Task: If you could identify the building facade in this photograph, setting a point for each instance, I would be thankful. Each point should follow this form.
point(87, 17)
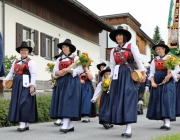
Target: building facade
point(45, 22)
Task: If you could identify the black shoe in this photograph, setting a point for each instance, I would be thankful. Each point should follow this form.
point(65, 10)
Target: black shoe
point(64, 130)
point(165, 127)
point(71, 129)
point(127, 135)
point(23, 129)
point(106, 126)
point(86, 121)
point(58, 124)
point(111, 125)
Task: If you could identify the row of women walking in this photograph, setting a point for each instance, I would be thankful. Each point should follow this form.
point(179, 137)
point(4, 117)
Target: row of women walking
point(118, 105)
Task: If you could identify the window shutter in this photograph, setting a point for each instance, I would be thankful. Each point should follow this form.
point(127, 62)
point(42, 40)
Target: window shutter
point(19, 34)
point(56, 49)
point(43, 45)
point(36, 42)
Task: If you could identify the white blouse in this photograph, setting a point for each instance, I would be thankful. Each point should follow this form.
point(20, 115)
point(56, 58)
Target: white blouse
point(97, 92)
point(32, 70)
point(136, 55)
point(76, 71)
point(153, 69)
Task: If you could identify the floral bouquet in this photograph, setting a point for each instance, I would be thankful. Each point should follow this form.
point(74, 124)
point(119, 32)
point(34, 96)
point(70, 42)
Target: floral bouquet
point(83, 60)
point(170, 63)
point(105, 84)
point(50, 67)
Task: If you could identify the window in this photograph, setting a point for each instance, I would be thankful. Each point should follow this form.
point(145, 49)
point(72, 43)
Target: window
point(78, 52)
point(108, 51)
point(23, 33)
point(27, 34)
point(48, 47)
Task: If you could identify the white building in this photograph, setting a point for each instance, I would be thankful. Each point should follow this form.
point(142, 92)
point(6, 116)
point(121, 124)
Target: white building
point(141, 39)
point(45, 22)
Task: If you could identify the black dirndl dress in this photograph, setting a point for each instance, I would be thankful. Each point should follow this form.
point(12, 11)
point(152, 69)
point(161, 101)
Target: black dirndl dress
point(87, 108)
point(162, 99)
point(23, 107)
point(123, 98)
point(68, 98)
point(178, 98)
point(104, 103)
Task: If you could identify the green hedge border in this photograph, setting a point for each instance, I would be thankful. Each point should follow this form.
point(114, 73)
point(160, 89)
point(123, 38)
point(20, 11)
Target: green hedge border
point(43, 107)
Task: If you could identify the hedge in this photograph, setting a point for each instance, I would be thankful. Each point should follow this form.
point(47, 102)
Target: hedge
point(43, 107)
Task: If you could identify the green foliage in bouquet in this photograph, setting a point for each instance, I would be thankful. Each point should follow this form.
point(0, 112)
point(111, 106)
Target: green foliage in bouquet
point(50, 67)
point(85, 60)
point(105, 84)
point(171, 62)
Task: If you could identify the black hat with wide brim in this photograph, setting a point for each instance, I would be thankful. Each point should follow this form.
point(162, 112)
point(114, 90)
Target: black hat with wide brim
point(101, 64)
point(69, 44)
point(161, 44)
point(24, 45)
point(104, 71)
point(120, 30)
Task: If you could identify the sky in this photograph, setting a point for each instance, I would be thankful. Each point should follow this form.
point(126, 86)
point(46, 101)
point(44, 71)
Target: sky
point(148, 13)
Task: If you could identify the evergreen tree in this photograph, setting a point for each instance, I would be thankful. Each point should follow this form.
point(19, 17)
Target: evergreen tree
point(157, 35)
point(156, 38)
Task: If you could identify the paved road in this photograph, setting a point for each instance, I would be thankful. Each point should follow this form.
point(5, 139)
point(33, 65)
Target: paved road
point(143, 130)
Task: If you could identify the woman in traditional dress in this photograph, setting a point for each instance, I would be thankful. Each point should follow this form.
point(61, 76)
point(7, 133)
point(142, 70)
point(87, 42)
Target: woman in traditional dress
point(123, 90)
point(104, 102)
point(68, 88)
point(87, 90)
point(53, 107)
point(178, 96)
point(23, 106)
point(162, 96)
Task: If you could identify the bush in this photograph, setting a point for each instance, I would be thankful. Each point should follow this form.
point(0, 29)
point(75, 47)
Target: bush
point(8, 63)
point(168, 137)
point(43, 107)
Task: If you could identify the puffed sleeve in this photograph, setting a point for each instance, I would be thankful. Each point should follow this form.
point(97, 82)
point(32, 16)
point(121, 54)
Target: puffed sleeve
point(152, 70)
point(93, 74)
point(33, 71)
point(97, 92)
point(175, 72)
point(112, 62)
point(137, 57)
point(56, 68)
point(11, 72)
point(78, 70)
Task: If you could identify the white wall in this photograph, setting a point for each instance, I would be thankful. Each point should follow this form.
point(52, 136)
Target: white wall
point(13, 15)
point(103, 44)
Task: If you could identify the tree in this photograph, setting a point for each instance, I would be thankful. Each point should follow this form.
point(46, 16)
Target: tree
point(156, 38)
point(8, 63)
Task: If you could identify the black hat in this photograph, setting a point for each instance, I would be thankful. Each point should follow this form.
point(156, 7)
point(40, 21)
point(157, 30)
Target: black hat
point(161, 44)
point(24, 45)
point(120, 30)
point(104, 71)
point(68, 43)
point(101, 64)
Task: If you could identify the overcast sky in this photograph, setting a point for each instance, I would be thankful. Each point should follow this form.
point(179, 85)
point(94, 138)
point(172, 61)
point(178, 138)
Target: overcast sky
point(148, 13)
